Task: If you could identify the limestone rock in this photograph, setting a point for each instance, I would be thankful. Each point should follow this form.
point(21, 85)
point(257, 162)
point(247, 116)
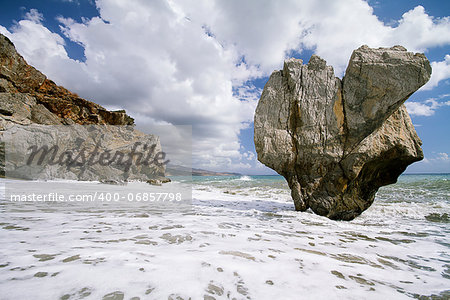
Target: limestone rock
point(84, 152)
point(338, 141)
point(376, 83)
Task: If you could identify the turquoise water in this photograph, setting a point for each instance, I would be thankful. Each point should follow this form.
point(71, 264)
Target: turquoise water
point(431, 188)
point(409, 188)
point(431, 191)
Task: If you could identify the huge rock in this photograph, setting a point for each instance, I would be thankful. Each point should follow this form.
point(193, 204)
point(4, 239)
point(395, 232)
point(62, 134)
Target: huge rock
point(338, 141)
point(30, 103)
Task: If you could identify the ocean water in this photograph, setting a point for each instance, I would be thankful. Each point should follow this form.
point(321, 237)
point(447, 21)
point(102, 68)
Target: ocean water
point(240, 238)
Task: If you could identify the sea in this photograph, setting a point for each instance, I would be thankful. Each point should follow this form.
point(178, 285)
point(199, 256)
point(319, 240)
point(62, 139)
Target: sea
point(238, 238)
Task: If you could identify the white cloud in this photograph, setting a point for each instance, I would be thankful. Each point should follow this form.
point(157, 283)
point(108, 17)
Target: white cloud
point(249, 155)
point(432, 163)
point(34, 15)
point(418, 31)
point(187, 62)
point(426, 108)
point(266, 31)
point(441, 71)
point(339, 31)
point(419, 109)
point(34, 41)
point(443, 156)
point(261, 31)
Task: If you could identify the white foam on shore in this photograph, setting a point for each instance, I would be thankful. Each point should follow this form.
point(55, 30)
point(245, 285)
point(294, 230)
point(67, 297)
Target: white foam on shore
point(229, 245)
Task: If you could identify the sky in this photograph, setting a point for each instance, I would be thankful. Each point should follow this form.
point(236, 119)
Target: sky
point(205, 62)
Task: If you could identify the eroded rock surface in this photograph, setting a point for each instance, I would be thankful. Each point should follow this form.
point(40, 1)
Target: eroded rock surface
point(338, 141)
point(21, 80)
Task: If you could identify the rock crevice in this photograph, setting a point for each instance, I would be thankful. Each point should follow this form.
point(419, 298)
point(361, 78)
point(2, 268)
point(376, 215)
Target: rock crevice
point(337, 141)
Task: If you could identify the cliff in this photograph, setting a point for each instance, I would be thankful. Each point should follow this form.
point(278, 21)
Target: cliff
point(35, 114)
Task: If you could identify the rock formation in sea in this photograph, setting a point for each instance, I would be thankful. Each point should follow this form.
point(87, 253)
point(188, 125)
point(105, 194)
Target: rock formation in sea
point(338, 141)
point(29, 100)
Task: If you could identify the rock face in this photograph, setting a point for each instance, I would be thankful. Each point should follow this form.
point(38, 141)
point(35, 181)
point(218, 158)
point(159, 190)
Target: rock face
point(21, 83)
point(28, 100)
point(83, 152)
point(338, 141)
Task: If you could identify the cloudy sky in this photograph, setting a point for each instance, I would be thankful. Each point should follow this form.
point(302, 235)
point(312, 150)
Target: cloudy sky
point(204, 63)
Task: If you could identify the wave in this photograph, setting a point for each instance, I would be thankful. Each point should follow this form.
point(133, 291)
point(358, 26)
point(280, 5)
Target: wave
point(245, 178)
